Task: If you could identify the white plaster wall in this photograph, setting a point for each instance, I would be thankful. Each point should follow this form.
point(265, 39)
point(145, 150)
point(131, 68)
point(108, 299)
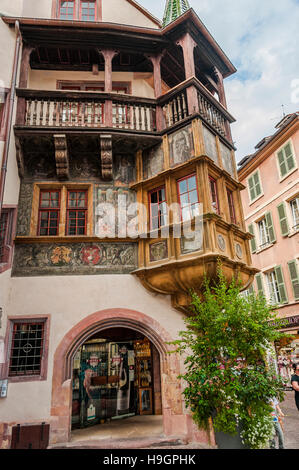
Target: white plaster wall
point(37, 8)
point(47, 80)
point(122, 12)
point(69, 299)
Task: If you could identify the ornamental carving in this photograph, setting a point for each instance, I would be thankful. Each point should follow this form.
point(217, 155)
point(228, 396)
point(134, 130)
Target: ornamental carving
point(158, 251)
point(106, 157)
point(153, 161)
point(24, 209)
point(61, 156)
point(181, 146)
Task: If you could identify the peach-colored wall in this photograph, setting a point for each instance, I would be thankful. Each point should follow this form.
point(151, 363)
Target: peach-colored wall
point(47, 80)
point(274, 192)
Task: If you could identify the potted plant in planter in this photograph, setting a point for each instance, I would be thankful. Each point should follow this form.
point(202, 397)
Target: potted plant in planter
point(228, 381)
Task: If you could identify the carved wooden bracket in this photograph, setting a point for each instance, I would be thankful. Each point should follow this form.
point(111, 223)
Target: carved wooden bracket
point(61, 156)
point(20, 157)
point(106, 157)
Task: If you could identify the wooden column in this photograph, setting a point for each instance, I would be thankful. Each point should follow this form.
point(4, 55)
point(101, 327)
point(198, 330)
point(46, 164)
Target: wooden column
point(23, 82)
point(156, 62)
point(222, 99)
point(188, 44)
point(108, 55)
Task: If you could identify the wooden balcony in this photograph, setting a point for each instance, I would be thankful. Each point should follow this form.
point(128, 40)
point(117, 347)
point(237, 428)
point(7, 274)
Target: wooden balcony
point(68, 110)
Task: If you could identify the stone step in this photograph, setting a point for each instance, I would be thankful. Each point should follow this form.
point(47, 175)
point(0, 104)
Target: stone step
point(141, 443)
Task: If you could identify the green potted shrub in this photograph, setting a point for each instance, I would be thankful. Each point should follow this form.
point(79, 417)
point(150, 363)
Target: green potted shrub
point(228, 380)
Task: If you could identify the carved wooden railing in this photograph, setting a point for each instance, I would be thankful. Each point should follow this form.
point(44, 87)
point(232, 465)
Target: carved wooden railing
point(57, 108)
point(190, 98)
point(38, 108)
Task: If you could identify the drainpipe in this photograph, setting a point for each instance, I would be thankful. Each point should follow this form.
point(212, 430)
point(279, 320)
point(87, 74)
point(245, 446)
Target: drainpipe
point(9, 114)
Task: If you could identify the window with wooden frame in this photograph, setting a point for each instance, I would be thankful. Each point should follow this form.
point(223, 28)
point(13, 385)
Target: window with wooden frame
point(49, 212)
point(26, 350)
point(158, 208)
point(67, 10)
point(76, 212)
point(231, 206)
point(294, 205)
point(254, 186)
point(188, 197)
point(276, 286)
point(286, 160)
point(87, 10)
point(82, 10)
point(214, 195)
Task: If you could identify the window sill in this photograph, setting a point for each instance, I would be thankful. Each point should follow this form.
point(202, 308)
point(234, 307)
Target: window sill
point(264, 248)
point(287, 175)
point(256, 199)
point(294, 232)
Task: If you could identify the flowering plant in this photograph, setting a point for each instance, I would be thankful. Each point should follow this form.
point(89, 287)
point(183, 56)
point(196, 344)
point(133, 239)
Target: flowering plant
point(227, 378)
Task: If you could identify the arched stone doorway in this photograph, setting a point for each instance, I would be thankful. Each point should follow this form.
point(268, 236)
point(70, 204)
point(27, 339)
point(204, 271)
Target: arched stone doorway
point(175, 420)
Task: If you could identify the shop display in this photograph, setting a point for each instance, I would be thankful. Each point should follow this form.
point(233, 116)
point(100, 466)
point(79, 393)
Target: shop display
point(287, 355)
point(111, 380)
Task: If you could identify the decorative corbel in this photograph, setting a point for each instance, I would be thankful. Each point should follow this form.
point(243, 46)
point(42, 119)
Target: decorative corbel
point(106, 157)
point(61, 156)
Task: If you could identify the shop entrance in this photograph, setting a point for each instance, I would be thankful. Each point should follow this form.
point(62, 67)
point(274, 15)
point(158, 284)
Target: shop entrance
point(116, 375)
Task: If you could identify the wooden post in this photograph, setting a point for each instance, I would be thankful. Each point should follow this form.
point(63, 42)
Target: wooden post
point(188, 44)
point(23, 83)
point(108, 55)
point(222, 99)
point(156, 62)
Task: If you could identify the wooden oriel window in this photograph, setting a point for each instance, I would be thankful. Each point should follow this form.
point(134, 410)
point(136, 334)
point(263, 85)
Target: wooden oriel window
point(26, 350)
point(231, 205)
point(49, 210)
point(214, 195)
point(158, 208)
point(188, 197)
point(87, 10)
point(76, 212)
point(67, 9)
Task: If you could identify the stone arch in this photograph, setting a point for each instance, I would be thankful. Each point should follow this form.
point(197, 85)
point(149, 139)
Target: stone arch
point(172, 402)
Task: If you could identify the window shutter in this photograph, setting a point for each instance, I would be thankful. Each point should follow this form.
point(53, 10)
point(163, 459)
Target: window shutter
point(294, 275)
point(257, 184)
point(259, 284)
point(253, 241)
point(270, 226)
point(281, 285)
point(251, 188)
point(282, 163)
point(289, 157)
point(284, 226)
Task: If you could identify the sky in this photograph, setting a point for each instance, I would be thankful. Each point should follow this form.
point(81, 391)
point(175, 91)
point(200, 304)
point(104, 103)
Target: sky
point(261, 39)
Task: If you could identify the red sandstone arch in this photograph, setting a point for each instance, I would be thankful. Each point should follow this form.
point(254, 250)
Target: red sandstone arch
point(172, 404)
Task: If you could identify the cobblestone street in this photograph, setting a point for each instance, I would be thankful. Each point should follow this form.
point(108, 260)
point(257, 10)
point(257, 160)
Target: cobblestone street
point(291, 421)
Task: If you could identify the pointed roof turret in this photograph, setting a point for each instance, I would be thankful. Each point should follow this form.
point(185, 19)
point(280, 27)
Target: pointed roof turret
point(174, 9)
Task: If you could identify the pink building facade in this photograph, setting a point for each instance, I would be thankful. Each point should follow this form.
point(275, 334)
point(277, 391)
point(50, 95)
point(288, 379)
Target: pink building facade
point(271, 209)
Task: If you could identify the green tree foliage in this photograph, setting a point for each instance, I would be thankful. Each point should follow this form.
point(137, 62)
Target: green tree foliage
point(225, 345)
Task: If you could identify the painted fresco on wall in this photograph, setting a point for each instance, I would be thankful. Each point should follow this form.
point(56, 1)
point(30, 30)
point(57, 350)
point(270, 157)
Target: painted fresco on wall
point(24, 209)
point(194, 242)
point(85, 167)
point(75, 258)
point(227, 159)
point(124, 170)
point(158, 251)
point(40, 167)
point(120, 198)
point(181, 146)
point(153, 161)
point(210, 144)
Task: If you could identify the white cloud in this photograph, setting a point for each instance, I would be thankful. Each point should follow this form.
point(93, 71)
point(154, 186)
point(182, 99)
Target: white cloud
point(261, 39)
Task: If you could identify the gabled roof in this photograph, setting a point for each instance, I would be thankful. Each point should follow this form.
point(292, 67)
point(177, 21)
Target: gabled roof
point(281, 126)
